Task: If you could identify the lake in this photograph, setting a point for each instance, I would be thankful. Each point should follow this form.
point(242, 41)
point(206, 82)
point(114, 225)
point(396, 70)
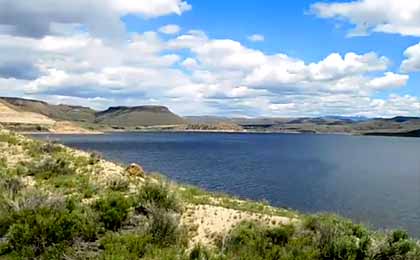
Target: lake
point(373, 180)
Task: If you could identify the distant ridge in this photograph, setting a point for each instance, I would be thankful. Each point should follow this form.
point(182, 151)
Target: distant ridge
point(402, 119)
point(10, 115)
point(138, 116)
point(121, 116)
point(56, 112)
point(39, 114)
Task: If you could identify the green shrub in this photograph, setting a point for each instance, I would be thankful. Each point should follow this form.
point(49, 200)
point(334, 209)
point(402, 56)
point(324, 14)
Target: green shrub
point(50, 148)
point(39, 227)
point(124, 245)
point(338, 238)
point(118, 184)
point(200, 253)
point(36, 148)
point(164, 228)
point(70, 184)
point(113, 209)
point(9, 138)
point(166, 253)
point(248, 240)
point(280, 235)
point(50, 167)
point(157, 195)
point(10, 184)
point(397, 246)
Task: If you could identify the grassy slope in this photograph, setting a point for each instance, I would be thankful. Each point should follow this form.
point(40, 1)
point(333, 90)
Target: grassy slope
point(59, 203)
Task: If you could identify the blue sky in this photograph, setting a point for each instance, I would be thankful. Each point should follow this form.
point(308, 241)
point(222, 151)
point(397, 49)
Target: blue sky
point(313, 57)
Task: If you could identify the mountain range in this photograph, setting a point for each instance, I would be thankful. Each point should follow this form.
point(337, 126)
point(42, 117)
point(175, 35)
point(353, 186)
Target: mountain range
point(35, 115)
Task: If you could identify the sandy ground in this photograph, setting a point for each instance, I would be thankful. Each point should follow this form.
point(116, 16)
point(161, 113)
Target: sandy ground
point(210, 222)
point(65, 127)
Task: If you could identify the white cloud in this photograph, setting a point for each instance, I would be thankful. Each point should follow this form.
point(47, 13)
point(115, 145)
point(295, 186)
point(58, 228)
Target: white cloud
point(38, 18)
point(190, 63)
point(191, 73)
point(412, 62)
point(170, 29)
point(256, 38)
point(192, 39)
point(387, 16)
point(149, 8)
point(389, 80)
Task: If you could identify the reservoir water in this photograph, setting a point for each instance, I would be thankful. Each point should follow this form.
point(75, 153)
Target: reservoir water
point(373, 180)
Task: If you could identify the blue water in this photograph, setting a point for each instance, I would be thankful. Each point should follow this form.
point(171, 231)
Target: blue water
point(373, 180)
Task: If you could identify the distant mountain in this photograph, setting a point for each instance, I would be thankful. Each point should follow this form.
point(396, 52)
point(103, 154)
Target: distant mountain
point(138, 116)
point(9, 114)
point(35, 113)
point(403, 119)
point(347, 118)
point(114, 116)
point(56, 112)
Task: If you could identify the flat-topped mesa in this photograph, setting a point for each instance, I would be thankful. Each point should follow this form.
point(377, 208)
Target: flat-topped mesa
point(148, 108)
point(138, 116)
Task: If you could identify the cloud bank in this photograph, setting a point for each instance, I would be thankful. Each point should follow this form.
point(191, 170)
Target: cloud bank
point(386, 16)
point(79, 52)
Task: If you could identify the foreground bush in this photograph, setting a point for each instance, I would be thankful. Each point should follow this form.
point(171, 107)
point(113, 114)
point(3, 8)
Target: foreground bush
point(157, 195)
point(323, 237)
point(124, 246)
point(37, 225)
point(113, 209)
point(398, 246)
point(50, 167)
point(338, 238)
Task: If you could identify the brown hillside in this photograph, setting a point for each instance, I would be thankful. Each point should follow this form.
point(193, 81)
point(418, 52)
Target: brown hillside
point(8, 115)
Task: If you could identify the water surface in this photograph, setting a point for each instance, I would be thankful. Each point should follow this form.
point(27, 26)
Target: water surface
point(374, 180)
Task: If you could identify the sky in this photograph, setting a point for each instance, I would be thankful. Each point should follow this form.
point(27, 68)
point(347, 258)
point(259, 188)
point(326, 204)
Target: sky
point(224, 58)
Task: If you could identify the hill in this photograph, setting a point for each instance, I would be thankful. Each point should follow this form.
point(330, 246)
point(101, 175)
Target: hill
point(138, 116)
point(56, 112)
point(11, 115)
point(119, 116)
point(36, 114)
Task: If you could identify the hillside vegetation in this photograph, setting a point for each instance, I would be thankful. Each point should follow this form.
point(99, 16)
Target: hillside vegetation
point(60, 203)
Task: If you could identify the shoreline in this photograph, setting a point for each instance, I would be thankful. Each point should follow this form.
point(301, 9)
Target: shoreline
point(203, 220)
point(187, 131)
point(367, 134)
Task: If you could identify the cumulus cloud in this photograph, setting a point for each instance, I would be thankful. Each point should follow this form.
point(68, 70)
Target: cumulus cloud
point(221, 74)
point(170, 29)
point(412, 61)
point(389, 80)
point(39, 18)
point(386, 16)
point(189, 72)
point(256, 38)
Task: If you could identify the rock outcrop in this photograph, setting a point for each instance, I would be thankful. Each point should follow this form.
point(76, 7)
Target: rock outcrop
point(135, 170)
